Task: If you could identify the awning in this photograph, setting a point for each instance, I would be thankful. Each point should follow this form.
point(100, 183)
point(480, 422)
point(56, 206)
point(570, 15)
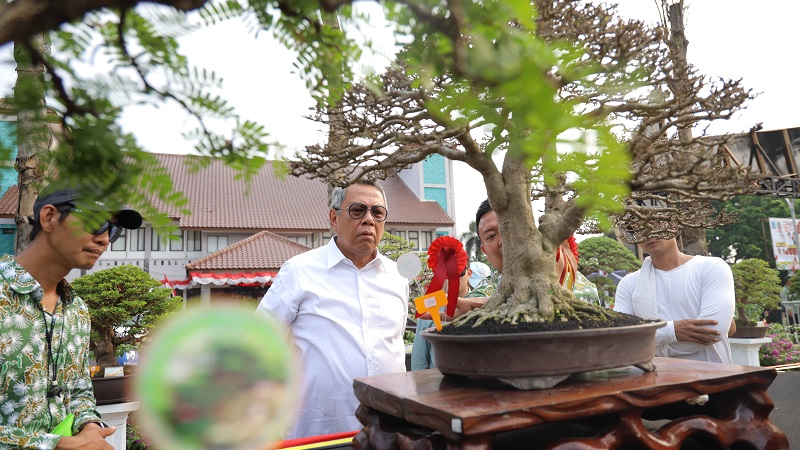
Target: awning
point(196, 279)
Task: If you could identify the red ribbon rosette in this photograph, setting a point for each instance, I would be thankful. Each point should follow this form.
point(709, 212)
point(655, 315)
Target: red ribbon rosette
point(447, 259)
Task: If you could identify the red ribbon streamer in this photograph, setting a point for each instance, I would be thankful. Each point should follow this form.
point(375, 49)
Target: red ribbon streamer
point(447, 258)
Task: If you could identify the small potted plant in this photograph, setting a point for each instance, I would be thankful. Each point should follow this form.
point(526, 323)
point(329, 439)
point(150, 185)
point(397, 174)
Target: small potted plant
point(125, 303)
point(757, 290)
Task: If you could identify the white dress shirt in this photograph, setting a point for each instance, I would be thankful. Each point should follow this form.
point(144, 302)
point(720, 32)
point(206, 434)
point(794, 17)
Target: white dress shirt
point(345, 323)
point(701, 288)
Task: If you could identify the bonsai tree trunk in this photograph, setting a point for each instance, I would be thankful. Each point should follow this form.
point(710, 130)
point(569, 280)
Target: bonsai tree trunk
point(529, 290)
point(104, 349)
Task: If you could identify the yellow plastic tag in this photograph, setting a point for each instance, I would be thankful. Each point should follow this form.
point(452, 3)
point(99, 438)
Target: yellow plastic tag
point(431, 303)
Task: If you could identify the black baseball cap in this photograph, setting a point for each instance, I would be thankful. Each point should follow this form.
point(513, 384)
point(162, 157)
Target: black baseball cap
point(126, 217)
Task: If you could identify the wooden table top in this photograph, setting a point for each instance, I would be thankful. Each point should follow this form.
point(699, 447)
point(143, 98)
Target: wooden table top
point(457, 406)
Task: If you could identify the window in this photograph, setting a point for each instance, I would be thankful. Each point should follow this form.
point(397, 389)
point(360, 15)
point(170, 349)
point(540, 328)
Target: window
point(217, 242)
point(413, 237)
point(119, 244)
point(299, 239)
point(157, 244)
point(137, 239)
point(176, 241)
point(428, 237)
point(194, 241)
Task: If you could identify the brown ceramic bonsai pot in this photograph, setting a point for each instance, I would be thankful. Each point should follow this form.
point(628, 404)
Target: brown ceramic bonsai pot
point(554, 354)
point(749, 332)
point(113, 389)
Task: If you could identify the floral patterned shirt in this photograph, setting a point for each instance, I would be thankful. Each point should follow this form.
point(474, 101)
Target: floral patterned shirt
point(27, 415)
point(486, 287)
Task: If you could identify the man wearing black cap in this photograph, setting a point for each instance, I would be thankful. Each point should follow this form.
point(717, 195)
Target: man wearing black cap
point(44, 327)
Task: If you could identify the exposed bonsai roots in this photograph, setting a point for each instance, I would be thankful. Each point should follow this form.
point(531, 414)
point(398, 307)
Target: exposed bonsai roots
point(564, 305)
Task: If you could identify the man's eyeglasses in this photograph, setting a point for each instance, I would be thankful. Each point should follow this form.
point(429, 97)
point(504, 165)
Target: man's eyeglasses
point(114, 231)
point(359, 210)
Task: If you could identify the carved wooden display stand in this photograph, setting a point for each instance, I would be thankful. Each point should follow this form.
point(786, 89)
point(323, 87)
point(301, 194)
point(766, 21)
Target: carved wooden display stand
point(603, 409)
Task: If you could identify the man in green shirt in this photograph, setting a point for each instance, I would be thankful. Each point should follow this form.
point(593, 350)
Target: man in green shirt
point(44, 327)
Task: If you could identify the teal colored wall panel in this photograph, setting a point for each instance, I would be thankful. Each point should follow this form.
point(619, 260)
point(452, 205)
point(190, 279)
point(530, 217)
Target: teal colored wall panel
point(434, 170)
point(437, 194)
point(8, 135)
point(7, 237)
point(8, 139)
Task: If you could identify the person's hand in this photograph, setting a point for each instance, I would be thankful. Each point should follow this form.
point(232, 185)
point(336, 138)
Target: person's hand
point(463, 306)
point(466, 305)
point(91, 437)
point(696, 330)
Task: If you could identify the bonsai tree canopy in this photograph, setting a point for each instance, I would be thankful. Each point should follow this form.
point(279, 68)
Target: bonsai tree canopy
point(125, 303)
point(758, 288)
point(580, 104)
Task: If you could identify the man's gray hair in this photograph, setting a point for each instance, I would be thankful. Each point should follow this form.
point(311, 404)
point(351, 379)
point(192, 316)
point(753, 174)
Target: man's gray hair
point(338, 193)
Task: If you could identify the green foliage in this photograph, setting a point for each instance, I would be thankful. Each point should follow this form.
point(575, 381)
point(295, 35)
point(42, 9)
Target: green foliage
point(745, 238)
point(408, 336)
point(113, 58)
point(472, 244)
point(757, 289)
point(125, 303)
point(392, 246)
point(793, 287)
point(604, 254)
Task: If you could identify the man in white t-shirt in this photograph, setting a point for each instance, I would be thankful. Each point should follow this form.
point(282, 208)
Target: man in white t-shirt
point(346, 306)
point(694, 294)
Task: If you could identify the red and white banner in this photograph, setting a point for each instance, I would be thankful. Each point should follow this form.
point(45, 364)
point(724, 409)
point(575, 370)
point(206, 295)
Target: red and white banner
point(220, 279)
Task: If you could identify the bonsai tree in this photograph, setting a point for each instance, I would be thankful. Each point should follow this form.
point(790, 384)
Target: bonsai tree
point(125, 303)
point(602, 254)
point(481, 86)
point(758, 288)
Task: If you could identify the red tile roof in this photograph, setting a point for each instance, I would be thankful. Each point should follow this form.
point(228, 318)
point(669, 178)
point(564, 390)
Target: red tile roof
point(276, 202)
point(9, 202)
point(262, 251)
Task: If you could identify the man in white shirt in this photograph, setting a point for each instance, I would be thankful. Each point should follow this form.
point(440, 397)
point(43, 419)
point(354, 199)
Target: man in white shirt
point(346, 307)
point(694, 294)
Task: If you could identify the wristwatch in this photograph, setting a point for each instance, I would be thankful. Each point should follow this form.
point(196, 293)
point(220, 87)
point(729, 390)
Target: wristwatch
point(99, 423)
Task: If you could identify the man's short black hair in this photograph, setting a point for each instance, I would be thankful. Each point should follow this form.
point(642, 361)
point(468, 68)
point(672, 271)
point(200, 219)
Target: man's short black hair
point(483, 209)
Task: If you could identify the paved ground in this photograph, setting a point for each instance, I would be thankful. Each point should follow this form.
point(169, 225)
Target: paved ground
point(785, 393)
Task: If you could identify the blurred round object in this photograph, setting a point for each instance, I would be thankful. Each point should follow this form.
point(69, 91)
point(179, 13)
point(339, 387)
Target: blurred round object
point(409, 265)
point(217, 377)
